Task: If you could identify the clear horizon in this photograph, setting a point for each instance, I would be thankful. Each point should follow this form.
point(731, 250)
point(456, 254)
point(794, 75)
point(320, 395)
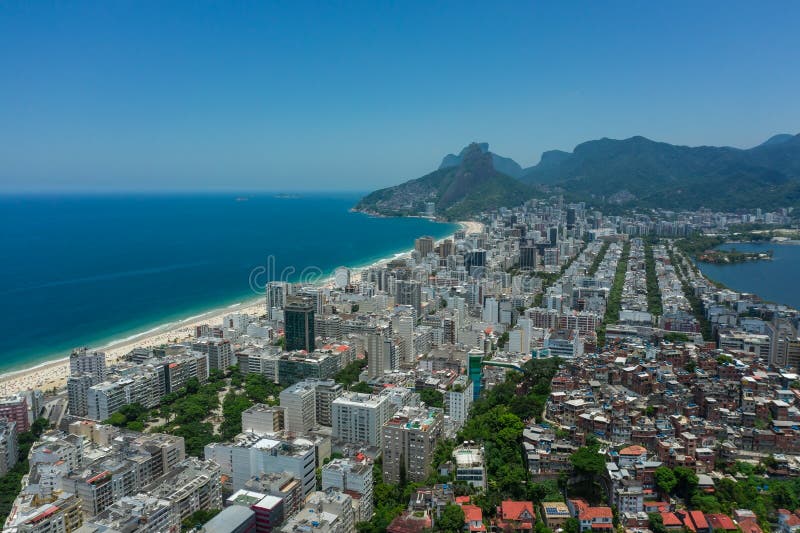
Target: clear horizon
point(190, 97)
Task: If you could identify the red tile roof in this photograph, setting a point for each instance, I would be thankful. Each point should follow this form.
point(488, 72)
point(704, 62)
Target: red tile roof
point(593, 513)
point(656, 506)
point(406, 523)
point(473, 513)
point(511, 510)
point(670, 519)
point(633, 450)
point(698, 519)
point(749, 525)
point(721, 521)
point(579, 505)
point(793, 519)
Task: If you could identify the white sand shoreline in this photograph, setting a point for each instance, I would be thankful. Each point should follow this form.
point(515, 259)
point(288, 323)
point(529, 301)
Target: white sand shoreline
point(52, 374)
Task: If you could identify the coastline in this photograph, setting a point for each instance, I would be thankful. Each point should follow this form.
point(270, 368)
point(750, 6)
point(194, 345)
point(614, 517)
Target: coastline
point(52, 374)
point(713, 272)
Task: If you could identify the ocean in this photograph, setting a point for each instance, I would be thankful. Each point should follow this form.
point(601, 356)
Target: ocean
point(775, 280)
point(91, 269)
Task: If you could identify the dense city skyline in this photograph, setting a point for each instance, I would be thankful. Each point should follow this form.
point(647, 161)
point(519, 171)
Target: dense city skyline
point(298, 268)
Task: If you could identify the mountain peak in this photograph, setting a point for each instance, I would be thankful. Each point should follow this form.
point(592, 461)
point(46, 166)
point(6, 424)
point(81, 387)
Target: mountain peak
point(502, 164)
point(780, 138)
point(465, 184)
point(474, 159)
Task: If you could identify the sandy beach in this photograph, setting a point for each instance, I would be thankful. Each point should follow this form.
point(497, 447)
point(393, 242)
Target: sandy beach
point(53, 374)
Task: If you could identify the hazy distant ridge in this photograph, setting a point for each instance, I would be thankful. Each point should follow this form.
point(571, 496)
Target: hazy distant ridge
point(634, 171)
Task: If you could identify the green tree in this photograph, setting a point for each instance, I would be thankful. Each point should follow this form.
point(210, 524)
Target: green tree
point(572, 525)
point(432, 397)
point(198, 518)
point(451, 520)
point(502, 340)
point(233, 405)
point(675, 337)
point(192, 385)
point(135, 425)
point(362, 387)
point(260, 390)
point(686, 481)
point(665, 479)
point(587, 462)
point(706, 503)
point(236, 377)
point(656, 523)
point(349, 374)
point(116, 419)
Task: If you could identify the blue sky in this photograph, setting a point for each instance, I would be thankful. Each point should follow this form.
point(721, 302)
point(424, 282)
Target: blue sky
point(290, 95)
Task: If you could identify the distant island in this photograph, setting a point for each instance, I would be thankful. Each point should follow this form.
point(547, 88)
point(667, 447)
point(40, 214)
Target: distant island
point(609, 173)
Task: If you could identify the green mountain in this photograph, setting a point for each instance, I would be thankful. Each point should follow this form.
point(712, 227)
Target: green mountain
point(472, 186)
point(638, 171)
point(635, 172)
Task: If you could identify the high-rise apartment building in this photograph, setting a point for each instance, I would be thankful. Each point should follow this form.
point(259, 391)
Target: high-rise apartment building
point(276, 294)
point(528, 257)
point(409, 439)
point(379, 348)
point(298, 315)
point(423, 246)
point(353, 477)
point(299, 402)
point(15, 408)
point(83, 361)
point(409, 293)
point(86, 368)
point(358, 418)
point(220, 355)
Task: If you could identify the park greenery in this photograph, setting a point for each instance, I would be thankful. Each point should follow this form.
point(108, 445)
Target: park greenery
point(192, 411)
point(598, 260)
point(184, 413)
point(189, 412)
point(613, 305)
point(349, 374)
point(654, 304)
point(132, 416)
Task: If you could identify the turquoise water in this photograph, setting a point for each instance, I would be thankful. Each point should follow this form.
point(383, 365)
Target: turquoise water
point(775, 280)
point(86, 270)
